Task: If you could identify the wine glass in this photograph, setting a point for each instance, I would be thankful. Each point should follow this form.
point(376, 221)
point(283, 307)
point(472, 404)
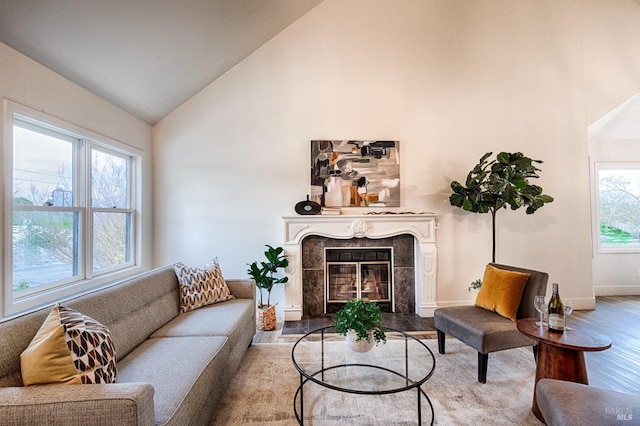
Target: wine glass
point(568, 310)
point(541, 306)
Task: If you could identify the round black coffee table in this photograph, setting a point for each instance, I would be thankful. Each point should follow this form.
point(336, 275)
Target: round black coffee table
point(402, 364)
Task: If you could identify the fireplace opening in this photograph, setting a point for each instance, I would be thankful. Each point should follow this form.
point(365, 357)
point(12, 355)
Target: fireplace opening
point(358, 273)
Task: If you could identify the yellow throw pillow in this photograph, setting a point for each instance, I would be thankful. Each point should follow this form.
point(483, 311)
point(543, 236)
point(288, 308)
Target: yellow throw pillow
point(69, 348)
point(501, 291)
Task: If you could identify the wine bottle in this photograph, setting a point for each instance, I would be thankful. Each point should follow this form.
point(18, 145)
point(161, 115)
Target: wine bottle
point(556, 311)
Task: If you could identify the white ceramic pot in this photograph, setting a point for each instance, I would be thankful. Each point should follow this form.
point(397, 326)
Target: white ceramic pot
point(363, 345)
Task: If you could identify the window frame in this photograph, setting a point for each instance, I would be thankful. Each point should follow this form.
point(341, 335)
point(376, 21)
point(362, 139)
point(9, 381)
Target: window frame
point(87, 278)
point(609, 165)
point(105, 149)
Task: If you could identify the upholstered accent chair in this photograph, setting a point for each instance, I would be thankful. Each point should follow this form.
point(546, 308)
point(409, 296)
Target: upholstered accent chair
point(565, 403)
point(487, 331)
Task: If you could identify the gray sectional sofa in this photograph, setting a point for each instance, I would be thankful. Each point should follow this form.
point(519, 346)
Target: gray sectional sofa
point(172, 368)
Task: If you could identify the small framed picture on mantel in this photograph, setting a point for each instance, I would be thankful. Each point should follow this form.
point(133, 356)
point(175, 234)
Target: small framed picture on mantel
point(355, 173)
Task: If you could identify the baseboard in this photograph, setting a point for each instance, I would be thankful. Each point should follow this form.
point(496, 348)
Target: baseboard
point(448, 303)
point(622, 290)
point(578, 304)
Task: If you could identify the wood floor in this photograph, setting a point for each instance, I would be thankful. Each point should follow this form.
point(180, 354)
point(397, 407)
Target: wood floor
point(617, 368)
point(618, 317)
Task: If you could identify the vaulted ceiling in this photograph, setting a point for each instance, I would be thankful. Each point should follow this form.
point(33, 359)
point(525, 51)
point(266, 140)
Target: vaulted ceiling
point(145, 56)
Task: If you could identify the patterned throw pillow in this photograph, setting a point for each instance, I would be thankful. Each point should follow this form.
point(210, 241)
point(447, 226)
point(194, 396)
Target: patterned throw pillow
point(69, 348)
point(201, 287)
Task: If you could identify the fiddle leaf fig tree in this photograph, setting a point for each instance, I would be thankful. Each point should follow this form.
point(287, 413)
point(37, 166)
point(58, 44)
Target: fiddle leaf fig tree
point(498, 183)
point(263, 272)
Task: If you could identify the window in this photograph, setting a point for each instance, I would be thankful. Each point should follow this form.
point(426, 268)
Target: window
point(111, 220)
point(70, 206)
point(618, 200)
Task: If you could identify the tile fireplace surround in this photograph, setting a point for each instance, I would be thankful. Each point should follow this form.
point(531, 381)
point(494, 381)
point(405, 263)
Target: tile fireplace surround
point(421, 226)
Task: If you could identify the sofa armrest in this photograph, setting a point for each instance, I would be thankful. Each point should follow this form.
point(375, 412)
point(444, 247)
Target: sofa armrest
point(95, 404)
point(242, 288)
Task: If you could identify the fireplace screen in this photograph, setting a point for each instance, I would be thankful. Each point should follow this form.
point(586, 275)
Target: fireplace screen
point(348, 281)
point(358, 273)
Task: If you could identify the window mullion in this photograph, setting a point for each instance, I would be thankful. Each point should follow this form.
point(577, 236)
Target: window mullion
point(87, 228)
point(111, 210)
point(133, 206)
point(20, 207)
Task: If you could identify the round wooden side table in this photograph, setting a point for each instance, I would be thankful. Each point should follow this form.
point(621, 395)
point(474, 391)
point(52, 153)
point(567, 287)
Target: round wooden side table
point(561, 355)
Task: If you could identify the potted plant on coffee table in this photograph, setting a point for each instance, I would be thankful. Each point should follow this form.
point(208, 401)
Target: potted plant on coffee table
point(263, 274)
point(361, 323)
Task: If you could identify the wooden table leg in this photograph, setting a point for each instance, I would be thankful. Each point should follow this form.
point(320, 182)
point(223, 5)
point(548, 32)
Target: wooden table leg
point(558, 363)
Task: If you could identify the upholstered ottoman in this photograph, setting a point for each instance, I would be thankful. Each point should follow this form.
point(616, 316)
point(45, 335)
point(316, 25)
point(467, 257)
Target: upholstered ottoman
point(568, 403)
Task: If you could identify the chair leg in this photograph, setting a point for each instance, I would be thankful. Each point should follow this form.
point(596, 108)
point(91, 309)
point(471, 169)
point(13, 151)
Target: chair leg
point(483, 360)
point(441, 337)
point(535, 352)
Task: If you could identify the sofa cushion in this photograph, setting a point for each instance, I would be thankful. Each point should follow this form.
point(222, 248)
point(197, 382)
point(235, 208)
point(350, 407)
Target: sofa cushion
point(130, 309)
point(234, 319)
point(201, 287)
point(69, 348)
point(183, 372)
point(221, 319)
point(134, 308)
point(501, 291)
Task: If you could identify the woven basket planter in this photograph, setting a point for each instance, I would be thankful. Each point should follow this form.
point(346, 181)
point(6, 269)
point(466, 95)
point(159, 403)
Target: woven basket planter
point(266, 318)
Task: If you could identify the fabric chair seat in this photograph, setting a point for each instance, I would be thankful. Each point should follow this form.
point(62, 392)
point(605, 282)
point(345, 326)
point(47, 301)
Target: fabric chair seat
point(483, 330)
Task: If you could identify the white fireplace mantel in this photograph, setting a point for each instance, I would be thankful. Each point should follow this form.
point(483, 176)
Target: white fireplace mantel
point(422, 226)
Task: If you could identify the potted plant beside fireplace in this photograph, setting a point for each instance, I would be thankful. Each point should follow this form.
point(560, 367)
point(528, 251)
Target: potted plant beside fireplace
point(361, 322)
point(264, 275)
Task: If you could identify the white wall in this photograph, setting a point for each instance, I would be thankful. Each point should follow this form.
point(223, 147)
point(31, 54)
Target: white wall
point(28, 83)
point(612, 67)
point(615, 138)
point(449, 79)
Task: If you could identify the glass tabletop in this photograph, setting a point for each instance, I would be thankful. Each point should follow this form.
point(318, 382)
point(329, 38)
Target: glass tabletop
point(402, 363)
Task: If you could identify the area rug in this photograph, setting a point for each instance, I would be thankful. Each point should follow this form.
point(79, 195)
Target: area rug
point(263, 390)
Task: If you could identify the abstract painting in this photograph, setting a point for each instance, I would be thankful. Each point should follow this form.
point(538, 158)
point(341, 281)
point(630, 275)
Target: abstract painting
point(355, 173)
